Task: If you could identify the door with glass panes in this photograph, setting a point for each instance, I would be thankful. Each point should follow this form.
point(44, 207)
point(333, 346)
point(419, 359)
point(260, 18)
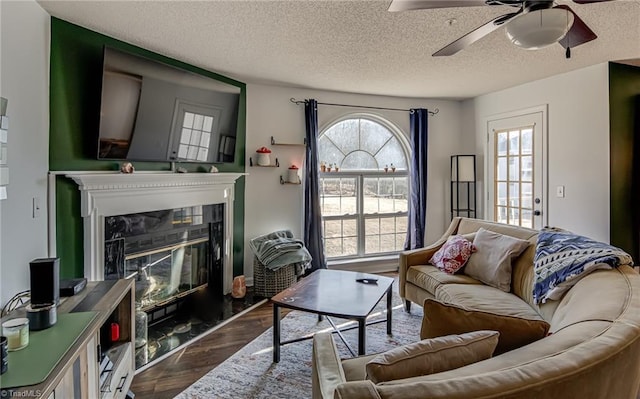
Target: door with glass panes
point(516, 169)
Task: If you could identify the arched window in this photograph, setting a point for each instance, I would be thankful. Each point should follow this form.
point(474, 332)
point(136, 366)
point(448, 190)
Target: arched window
point(364, 187)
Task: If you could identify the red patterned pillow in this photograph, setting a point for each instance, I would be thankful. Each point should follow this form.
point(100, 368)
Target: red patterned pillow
point(453, 254)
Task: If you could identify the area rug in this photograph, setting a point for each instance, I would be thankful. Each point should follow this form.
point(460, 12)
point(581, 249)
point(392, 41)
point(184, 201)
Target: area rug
point(251, 374)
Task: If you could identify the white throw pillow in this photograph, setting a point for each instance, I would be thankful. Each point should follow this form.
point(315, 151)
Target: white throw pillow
point(491, 262)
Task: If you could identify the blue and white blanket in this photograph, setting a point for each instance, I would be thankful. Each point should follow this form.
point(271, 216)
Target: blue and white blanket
point(562, 258)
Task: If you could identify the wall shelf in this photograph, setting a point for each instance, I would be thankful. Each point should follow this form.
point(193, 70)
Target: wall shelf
point(283, 181)
point(275, 165)
point(303, 144)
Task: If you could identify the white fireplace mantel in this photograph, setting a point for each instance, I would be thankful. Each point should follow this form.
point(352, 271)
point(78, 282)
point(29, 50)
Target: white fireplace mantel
point(110, 194)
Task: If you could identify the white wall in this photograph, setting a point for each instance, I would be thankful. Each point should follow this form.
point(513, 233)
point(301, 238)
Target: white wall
point(578, 142)
point(24, 81)
point(270, 206)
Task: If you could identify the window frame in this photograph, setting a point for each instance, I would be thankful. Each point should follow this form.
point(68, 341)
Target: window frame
point(360, 176)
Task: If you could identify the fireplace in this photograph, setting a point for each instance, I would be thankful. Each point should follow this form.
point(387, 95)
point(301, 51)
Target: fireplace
point(172, 233)
point(109, 194)
point(170, 253)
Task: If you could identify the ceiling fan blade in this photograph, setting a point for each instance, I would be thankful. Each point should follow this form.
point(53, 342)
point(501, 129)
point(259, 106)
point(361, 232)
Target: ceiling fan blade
point(579, 33)
point(474, 35)
point(406, 5)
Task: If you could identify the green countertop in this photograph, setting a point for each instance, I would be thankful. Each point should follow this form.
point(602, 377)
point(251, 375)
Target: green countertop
point(32, 365)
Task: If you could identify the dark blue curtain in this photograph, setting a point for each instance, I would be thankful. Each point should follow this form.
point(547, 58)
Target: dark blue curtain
point(418, 179)
point(312, 215)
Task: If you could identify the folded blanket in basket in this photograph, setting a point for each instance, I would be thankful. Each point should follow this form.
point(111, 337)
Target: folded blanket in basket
point(278, 249)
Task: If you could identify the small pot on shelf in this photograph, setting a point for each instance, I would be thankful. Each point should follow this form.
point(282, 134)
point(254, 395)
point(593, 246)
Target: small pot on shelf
point(292, 175)
point(263, 156)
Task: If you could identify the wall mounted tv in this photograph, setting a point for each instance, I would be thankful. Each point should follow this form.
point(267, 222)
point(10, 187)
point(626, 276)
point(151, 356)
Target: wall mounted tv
point(150, 111)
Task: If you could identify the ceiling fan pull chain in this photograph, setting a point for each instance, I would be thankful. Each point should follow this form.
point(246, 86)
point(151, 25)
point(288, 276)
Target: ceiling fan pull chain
point(568, 53)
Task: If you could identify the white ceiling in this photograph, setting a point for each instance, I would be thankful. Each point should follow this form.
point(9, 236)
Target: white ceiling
point(351, 46)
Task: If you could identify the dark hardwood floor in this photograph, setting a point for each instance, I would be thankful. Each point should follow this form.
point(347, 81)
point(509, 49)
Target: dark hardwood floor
point(175, 373)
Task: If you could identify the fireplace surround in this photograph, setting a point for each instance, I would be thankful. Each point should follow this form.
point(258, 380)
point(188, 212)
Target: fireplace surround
point(105, 194)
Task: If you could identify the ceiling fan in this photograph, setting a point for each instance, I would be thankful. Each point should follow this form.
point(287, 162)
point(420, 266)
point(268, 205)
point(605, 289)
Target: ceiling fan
point(535, 24)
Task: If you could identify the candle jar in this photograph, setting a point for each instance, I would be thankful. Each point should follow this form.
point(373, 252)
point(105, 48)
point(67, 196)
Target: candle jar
point(17, 333)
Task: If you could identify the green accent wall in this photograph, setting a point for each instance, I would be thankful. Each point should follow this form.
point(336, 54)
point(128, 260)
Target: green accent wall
point(75, 86)
point(624, 89)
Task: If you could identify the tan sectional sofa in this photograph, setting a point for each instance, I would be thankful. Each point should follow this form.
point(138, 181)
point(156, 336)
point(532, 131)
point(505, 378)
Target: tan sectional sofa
point(593, 350)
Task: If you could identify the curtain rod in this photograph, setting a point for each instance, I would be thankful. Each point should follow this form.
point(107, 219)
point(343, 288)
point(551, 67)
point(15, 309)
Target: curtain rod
point(297, 102)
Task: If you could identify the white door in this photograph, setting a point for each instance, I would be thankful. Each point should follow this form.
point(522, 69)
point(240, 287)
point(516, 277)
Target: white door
point(516, 168)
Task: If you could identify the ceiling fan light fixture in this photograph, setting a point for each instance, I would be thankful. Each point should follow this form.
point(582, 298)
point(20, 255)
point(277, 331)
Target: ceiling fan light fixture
point(540, 28)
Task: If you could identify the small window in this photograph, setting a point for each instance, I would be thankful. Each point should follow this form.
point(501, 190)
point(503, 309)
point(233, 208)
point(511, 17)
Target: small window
point(364, 188)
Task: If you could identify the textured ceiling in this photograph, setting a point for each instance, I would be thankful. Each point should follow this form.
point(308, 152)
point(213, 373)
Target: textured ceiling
point(351, 46)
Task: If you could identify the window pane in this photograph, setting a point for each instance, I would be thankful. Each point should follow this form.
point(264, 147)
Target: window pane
point(373, 136)
point(359, 160)
point(401, 194)
point(502, 143)
point(514, 168)
point(188, 119)
point(328, 152)
point(332, 228)
point(527, 218)
point(208, 124)
point(527, 141)
point(501, 214)
point(514, 216)
point(527, 168)
point(371, 203)
point(527, 195)
point(514, 142)
point(514, 194)
point(338, 196)
point(185, 138)
point(502, 169)
point(345, 135)
point(501, 194)
point(198, 121)
point(384, 234)
point(392, 153)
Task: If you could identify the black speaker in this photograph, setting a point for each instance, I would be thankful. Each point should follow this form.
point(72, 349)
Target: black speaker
point(45, 281)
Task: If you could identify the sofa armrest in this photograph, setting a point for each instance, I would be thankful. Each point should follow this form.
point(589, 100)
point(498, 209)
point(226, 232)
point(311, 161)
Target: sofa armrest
point(326, 367)
point(421, 256)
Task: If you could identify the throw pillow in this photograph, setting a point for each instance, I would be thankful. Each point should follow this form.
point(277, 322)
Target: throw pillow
point(563, 258)
point(453, 254)
point(444, 319)
point(432, 356)
point(491, 262)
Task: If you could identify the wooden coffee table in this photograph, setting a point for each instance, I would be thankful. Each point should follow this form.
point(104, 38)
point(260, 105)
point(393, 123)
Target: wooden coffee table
point(333, 293)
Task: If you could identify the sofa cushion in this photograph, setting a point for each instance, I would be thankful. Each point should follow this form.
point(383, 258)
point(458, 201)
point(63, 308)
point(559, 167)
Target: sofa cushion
point(453, 254)
point(491, 262)
point(486, 299)
point(430, 278)
point(431, 356)
point(445, 319)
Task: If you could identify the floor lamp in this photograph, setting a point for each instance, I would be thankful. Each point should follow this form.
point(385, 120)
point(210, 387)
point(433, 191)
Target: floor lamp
point(463, 186)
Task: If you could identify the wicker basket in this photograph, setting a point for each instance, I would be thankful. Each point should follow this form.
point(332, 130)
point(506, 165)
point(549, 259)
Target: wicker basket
point(267, 283)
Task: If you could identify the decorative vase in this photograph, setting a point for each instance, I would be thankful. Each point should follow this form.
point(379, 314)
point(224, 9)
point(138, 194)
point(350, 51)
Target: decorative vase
point(263, 156)
point(292, 175)
point(239, 287)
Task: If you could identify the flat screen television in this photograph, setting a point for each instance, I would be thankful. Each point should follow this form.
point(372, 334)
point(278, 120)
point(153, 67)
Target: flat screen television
point(151, 111)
